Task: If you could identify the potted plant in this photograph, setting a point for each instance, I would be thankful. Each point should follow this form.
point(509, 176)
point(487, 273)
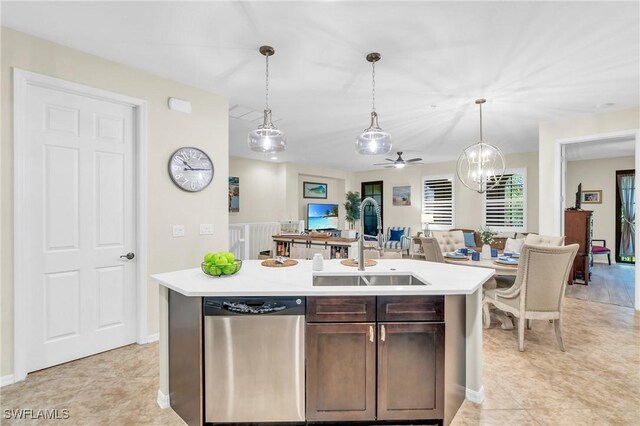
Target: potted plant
point(352, 206)
point(486, 236)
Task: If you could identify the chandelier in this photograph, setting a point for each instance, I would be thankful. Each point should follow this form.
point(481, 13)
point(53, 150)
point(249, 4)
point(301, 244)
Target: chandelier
point(480, 166)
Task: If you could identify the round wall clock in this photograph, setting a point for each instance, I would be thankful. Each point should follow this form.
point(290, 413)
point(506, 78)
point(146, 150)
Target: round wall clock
point(191, 169)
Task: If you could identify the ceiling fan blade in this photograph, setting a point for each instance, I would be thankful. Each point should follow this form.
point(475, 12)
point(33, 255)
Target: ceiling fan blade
point(381, 164)
point(414, 159)
point(390, 167)
point(389, 159)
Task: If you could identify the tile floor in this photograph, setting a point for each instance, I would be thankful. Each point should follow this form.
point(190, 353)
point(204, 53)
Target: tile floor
point(613, 284)
point(596, 382)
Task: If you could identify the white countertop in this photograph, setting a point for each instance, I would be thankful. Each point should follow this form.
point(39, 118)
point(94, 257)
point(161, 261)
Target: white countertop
point(257, 280)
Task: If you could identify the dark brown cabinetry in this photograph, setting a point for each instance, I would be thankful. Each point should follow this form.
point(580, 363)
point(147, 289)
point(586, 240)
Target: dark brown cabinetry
point(410, 371)
point(578, 229)
point(389, 366)
point(341, 367)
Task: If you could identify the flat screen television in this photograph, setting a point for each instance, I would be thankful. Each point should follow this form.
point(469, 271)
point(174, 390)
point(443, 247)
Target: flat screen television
point(322, 216)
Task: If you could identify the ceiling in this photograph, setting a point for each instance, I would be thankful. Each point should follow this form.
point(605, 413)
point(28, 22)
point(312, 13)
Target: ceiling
point(533, 61)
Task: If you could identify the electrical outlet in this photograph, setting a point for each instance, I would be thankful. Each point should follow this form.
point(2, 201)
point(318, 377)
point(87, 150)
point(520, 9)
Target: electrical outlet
point(206, 229)
point(178, 231)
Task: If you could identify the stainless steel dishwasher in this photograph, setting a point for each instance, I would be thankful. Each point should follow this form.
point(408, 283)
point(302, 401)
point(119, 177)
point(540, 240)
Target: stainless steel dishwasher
point(254, 359)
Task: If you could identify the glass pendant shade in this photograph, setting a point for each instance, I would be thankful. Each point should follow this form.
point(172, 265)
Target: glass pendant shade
point(267, 138)
point(374, 140)
point(480, 166)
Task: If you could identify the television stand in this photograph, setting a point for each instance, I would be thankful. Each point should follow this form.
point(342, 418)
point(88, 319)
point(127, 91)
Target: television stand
point(305, 246)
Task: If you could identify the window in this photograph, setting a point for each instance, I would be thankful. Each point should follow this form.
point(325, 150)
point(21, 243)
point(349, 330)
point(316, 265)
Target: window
point(437, 200)
point(505, 205)
point(370, 219)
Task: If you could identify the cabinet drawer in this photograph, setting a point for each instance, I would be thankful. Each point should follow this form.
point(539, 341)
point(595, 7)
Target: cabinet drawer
point(410, 308)
point(341, 309)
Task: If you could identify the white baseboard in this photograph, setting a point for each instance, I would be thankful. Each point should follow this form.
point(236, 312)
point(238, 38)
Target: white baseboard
point(153, 338)
point(163, 400)
point(7, 380)
point(475, 396)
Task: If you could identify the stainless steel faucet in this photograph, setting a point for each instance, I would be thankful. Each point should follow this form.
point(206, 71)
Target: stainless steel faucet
point(373, 202)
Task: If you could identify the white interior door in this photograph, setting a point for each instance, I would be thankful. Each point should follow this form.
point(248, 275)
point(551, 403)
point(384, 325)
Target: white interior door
point(79, 182)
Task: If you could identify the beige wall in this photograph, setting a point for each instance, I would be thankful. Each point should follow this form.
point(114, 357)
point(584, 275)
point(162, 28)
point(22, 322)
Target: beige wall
point(468, 204)
point(273, 191)
point(335, 195)
point(598, 174)
point(260, 190)
point(550, 133)
point(206, 127)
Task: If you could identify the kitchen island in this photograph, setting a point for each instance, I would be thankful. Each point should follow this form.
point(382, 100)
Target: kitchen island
point(436, 321)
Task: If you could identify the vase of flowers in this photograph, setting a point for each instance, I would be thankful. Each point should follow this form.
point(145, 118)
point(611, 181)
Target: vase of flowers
point(486, 236)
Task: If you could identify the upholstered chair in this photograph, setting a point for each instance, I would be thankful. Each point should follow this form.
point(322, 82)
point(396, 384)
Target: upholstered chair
point(538, 291)
point(543, 240)
point(449, 240)
point(402, 243)
point(431, 249)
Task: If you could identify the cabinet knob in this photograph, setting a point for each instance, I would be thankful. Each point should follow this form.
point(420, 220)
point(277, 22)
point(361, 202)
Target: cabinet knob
point(371, 333)
point(383, 334)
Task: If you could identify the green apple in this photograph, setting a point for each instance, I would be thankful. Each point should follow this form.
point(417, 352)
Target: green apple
point(222, 261)
point(230, 257)
point(209, 257)
point(229, 269)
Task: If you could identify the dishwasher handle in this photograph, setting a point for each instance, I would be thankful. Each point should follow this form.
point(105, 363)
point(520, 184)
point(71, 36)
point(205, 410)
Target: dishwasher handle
point(230, 306)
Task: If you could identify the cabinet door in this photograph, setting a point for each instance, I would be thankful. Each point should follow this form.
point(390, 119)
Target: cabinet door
point(410, 371)
point(341, 372)
point(298, 251)
point(324, 251)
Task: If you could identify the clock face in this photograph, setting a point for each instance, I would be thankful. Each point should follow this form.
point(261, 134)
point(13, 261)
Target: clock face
point(191, 169)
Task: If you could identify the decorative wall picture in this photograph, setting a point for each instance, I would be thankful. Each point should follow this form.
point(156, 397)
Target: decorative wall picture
point(401, 195)
point(234, 194)
point(593, 196)
point(314, 190)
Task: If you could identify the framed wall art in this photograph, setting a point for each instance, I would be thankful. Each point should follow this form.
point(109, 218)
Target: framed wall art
point(314, 190)
point(401, 195)
point(592, 196)
point(234, 194)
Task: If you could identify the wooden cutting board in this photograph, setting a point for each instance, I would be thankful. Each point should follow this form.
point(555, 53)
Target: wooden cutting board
point(271, 263)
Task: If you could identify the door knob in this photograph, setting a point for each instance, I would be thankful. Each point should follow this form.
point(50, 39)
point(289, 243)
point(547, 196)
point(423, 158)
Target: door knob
point(128, 256)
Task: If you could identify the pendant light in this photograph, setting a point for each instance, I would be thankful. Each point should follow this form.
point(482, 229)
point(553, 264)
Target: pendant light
point(480, 166)
point(374, 140)
point(267, 138)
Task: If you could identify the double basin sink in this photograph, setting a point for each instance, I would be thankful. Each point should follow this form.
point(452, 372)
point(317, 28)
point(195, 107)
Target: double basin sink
point(366, 280)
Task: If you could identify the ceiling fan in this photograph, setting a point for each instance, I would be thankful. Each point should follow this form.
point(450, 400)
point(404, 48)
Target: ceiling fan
point(399, 162)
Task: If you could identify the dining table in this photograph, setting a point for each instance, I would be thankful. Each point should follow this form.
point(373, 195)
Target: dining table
point(501, 269)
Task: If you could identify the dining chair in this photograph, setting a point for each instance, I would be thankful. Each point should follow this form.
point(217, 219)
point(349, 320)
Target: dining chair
point(538, 291)
point(543, 240)
point(449, 240)
point(431, 249)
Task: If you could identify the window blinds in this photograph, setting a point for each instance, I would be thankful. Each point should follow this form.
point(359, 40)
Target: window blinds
point(438, 199)
point(505, 203)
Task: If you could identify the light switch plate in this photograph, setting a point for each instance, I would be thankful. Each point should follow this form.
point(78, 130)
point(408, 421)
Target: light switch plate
point(206, 229)
point(178, 230)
